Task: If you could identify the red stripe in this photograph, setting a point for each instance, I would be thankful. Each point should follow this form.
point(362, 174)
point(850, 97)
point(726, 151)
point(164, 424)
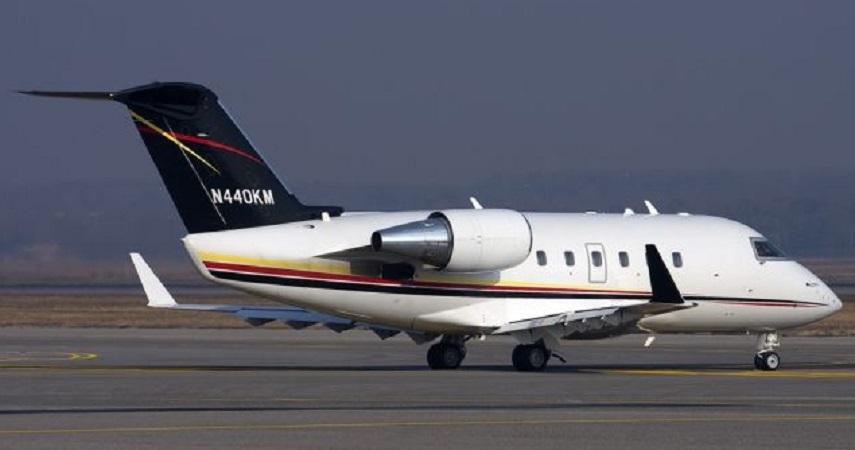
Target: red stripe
point(374, 280)
point(203, 141)
point(793, 304)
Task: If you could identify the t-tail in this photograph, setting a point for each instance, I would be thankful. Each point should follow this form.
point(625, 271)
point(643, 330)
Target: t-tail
point(215, 176)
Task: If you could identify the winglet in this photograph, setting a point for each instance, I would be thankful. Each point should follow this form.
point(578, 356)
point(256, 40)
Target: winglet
point(158, 296)
point(661, 284)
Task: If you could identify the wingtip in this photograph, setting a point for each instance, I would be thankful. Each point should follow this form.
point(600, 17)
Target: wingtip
point(155, 291)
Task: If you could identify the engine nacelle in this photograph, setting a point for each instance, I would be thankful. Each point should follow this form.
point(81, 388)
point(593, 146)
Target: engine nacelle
point(461, 240)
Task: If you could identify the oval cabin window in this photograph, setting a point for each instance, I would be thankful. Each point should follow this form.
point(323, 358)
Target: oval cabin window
point(541, 258)
point(569, 259)
point(597, 259)
point(623, 257)
point(677, 259)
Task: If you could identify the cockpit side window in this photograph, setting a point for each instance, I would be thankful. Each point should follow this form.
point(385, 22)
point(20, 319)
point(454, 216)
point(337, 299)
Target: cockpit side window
point(764, 250)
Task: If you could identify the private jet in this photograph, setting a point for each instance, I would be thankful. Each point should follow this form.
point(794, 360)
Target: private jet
point(450, 275)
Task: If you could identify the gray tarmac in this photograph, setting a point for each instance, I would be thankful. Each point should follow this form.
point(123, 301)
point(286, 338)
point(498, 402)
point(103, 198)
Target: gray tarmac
point(255, 388)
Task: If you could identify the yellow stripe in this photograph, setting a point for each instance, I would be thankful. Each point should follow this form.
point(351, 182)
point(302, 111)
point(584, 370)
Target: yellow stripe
point(437, 423)
point(342, 268)
point(314, 265)
point(827, 374)
point(172, 138)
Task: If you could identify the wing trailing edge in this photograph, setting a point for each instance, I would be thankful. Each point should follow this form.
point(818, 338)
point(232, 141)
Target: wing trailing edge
point(159, 297)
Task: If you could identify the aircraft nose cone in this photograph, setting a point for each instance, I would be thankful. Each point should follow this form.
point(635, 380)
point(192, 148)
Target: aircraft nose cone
point(836, 304)
point(832, 300)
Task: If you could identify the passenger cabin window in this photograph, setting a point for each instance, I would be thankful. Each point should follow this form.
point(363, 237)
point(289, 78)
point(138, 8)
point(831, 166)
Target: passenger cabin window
point(623, 257)
point(677, 259)
point(569, 259)
point(764, 250)
point(596, 259)
point(541, 258)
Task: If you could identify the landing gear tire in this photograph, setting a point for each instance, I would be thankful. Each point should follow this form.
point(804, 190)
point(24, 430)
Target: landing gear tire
point(766, 357)
point(444, 356)
point(767, 361)
point(530, 358)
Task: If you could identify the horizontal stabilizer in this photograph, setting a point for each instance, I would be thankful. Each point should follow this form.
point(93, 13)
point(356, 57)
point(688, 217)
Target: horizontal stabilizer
point(71, 94)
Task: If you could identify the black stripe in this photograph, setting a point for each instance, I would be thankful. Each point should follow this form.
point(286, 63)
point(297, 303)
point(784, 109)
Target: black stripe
point(446, 292)
point(412, 290)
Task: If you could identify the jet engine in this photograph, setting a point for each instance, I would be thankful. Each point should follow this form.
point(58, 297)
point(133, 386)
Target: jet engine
point(461, 240)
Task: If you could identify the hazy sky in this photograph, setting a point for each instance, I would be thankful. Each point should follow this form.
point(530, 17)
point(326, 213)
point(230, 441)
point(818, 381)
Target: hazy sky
point(363, 91)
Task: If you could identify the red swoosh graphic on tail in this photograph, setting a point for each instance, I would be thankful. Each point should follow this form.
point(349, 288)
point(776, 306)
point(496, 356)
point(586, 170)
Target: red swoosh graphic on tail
point(203, 141)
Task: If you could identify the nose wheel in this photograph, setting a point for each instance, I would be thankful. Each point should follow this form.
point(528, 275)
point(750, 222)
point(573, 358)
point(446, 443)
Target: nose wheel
point(767, 361)
point(767, 357)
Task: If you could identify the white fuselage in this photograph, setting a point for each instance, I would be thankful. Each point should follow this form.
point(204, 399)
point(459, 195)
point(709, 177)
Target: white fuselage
point(310, 265)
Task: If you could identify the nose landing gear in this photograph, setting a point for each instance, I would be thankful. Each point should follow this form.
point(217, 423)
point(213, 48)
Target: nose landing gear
point(767, 357)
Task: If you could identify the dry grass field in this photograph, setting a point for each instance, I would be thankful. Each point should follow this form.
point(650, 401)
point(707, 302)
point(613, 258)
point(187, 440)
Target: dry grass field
point(104, 310)
point(840, 324)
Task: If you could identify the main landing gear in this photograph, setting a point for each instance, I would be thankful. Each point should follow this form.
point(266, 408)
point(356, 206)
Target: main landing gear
point(448, 353)
point(531, 357)
point(766, 357)
point(451, 350)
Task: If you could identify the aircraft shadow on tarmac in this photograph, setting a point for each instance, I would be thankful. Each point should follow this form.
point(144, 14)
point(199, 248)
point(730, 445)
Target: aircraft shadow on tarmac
point(555, 368)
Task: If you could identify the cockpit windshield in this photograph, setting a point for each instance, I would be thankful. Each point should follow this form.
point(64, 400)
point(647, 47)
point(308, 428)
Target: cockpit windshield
point(764, 249)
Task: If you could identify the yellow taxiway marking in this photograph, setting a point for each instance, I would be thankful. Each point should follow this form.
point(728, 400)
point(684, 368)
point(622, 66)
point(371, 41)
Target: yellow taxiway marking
point(738, 373)
point(30, 361)
point(7, 357)
point(425, 424)
point(121, 369)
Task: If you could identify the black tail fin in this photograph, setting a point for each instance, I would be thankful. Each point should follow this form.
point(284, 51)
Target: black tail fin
point(216, 178)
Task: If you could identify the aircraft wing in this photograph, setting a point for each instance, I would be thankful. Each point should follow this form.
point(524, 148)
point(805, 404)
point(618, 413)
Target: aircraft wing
point(555, 319)
point(159, 297)
point(665, 298)
point(605, 314)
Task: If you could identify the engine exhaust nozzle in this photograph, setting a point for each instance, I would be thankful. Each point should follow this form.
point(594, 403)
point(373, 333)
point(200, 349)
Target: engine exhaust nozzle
point(429, 241)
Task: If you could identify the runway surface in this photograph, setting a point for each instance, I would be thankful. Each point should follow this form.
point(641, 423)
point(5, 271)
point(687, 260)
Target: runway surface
point(113, 388)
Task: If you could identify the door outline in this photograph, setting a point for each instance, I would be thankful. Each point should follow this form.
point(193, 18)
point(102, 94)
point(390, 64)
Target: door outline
point(596, 274)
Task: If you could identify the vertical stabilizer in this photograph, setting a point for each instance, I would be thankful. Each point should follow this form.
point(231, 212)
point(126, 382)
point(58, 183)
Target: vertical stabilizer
point(216, 178)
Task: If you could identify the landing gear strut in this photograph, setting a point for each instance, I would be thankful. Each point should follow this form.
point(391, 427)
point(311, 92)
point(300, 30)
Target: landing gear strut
point(531, 357)
point(447, 354)
point(766, 357)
